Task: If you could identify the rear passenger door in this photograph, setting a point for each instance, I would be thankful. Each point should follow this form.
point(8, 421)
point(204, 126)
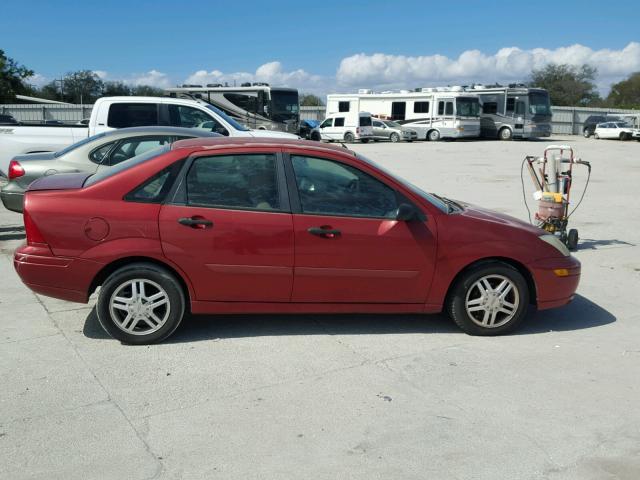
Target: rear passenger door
point(229, 228)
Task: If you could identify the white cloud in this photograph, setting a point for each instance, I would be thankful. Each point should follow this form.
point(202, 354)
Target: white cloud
point(507, 64)
point(272, 73)
point(37, 80)
point(153, 78)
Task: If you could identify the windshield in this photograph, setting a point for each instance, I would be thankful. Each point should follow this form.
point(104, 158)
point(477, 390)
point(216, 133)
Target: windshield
point(418, 191)
point(467, 107)
point(132, 162)
point(72, 147)
point(539, 103)
point(622, 125)
point(284, 105)
point(227, 118)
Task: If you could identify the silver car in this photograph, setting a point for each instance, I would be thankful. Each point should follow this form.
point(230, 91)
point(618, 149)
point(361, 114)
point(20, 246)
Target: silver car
point(392, 131)
point(91, 155)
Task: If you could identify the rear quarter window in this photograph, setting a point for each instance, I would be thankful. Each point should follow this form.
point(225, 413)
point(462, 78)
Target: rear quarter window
point(123, 115)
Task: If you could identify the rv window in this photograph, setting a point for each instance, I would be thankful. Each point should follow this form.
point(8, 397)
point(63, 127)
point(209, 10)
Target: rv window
point(511, 102)
point(421, 107)
point(343, 106)
point(449, 109)
point(338, 122)
point(398, 110)
point(490, 108)
point(519, 108)
point(440, 108)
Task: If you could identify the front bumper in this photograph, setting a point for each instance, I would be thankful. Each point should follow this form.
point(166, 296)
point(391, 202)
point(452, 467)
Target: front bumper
point(12, 200)
point(553, 290)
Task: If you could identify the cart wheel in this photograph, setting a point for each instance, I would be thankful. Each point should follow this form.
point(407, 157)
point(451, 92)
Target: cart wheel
point(572, 239)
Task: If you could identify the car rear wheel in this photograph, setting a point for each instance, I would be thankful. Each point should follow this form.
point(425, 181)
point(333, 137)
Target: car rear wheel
point(489, 299)
point(586, 133)
point(141, 303)
point(349, 138)
point(394, 137)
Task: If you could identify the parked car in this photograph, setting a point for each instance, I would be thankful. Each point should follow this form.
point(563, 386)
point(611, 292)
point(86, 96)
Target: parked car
point(306, 127)
point(298, 227)
point(6, 119)
point(91, 155)
point(392, 131)
point(589, 125)
point(110, 113)
point(347, 127)
point(615, 130)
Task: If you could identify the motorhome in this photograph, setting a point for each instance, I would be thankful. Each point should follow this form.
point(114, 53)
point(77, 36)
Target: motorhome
point(257, 105)
point(513, 111)
point(434, 113)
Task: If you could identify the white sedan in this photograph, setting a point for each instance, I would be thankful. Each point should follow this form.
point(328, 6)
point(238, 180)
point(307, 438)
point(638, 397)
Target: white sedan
point(617, 130)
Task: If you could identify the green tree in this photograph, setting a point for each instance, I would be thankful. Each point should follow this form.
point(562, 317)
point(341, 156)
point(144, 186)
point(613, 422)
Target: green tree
point(147, 91)
point(83, 86)
point(567, 84)
point(116, 89)
point(625, 94)
point(12, 77)
point(310, 100)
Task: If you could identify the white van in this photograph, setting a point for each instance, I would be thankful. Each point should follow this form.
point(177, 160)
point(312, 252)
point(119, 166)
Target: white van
point(347, 127)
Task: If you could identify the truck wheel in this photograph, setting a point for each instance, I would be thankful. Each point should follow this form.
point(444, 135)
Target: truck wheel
point(489, 299)
point(505, 134)
point(434, 135)
point(624, 136)
point(140, 303)
point(394, 137)
point(585, 133)
point(572, 239)
point(349, 137)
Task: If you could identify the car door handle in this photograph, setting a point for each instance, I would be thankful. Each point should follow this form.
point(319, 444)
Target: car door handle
point(324, 231)
point(195, 222)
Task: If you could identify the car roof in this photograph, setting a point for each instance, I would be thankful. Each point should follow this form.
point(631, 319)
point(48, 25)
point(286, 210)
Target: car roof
point(160, 130)
point(202, 144)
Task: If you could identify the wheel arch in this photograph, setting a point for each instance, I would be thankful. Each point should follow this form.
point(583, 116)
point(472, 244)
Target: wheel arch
point(520, 267)
point(504, 127)
point(108, 269)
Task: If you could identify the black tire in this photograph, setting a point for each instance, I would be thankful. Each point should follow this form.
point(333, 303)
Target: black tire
point(349, 137)
point(365, 140)
point(316, 136)
point(395, 138)
point(572, 239)
point(152, 274)
point(585, 133)
point(433, 135)
point(505, 133)
point(465, 286)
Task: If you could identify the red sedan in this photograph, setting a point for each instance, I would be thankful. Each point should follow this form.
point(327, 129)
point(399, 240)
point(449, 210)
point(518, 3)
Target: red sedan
point(257, 226)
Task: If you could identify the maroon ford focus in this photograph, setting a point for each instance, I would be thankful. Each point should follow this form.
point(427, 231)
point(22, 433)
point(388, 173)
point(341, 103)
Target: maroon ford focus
point(258, 226)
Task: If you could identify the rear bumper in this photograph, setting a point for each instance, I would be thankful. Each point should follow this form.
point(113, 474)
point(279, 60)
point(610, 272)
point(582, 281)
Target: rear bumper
point(553, 290)
point(12, 200)
point(59, 277)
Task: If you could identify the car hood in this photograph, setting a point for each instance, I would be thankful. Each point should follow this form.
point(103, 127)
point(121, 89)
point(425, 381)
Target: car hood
point(272, 134)
point(484, 215)
point(61, 181)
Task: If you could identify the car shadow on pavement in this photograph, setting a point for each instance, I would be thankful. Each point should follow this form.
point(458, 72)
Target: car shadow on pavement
point(12, 233)
point(590, 244)
point(579, 314)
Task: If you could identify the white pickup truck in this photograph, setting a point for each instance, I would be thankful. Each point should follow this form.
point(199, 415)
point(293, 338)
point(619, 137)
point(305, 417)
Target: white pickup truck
point(110, 113)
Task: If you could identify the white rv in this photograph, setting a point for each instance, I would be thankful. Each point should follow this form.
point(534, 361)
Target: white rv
point(434, 113)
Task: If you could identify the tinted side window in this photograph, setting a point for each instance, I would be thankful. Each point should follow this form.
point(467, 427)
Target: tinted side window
point(234, 181)
point(332, 188)
point(511, 102)
point(449, 108)
point(99, 155)
point(490, 107)
point(155, 189)
point(421, 107)
point(327, 123)
point(123, 115)
point(133, 147)
point(365, 121)
point(343, 106)
point(440, 108)
point(339, 122)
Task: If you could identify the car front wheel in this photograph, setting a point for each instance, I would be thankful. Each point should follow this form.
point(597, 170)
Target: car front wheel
point(141, 303)
point(489, 299)
point(586, 133)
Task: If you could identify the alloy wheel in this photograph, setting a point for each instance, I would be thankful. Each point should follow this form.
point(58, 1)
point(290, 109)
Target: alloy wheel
point(492, 301)
point(139, 306)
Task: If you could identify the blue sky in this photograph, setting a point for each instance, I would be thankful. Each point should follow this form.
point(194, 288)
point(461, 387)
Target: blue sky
point(318, 46)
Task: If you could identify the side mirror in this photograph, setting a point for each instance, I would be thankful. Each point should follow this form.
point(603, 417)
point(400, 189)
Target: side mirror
point(406, 213)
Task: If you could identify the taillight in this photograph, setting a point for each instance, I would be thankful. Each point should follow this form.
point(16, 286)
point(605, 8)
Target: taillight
point(15, 169)
point(33, 233)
